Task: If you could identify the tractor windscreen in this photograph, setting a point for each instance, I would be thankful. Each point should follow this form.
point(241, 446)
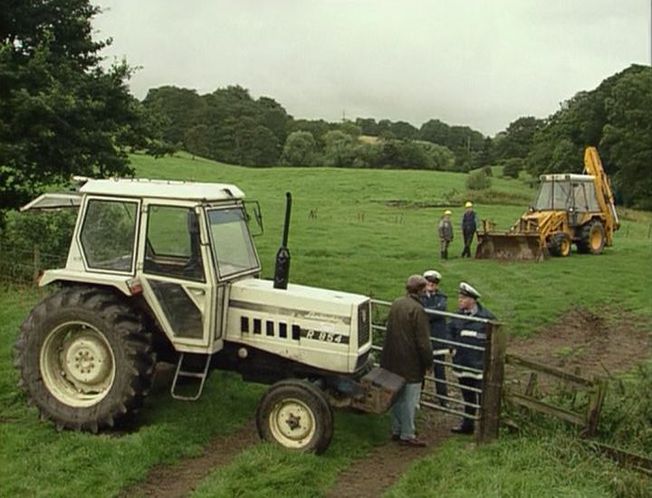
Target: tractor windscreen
point(564, 195)
point(232, 244)
point(554, 196)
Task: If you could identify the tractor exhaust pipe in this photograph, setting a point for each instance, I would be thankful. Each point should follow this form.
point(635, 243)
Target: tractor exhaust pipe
point(282, 268)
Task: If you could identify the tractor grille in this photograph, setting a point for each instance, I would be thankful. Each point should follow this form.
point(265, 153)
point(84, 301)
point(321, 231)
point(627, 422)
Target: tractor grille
point(364, 323)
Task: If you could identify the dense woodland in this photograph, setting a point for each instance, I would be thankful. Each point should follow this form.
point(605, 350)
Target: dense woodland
point(229, 125)
point(63, 113)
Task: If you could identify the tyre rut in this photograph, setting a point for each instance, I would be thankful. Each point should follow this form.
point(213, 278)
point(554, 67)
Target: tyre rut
point(376, 472)
point(180, 479)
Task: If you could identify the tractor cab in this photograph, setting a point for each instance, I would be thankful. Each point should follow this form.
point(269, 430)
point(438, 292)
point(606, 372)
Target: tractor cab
point(567, 192)
point(177, 244)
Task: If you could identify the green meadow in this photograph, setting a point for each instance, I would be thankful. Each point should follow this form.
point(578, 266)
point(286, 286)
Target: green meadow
point(368, 231)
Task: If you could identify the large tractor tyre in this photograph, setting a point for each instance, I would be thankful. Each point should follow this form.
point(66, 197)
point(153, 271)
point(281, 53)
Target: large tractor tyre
point(295, 415)
point(592, 238)
point(85, 359)
point(560, 245)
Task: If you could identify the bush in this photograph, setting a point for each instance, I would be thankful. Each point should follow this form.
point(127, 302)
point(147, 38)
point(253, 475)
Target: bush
point(478, 180)
point(23, 233)
point(299, 150)
point(512, 167)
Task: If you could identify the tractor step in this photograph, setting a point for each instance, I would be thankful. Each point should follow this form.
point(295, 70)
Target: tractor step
point(194, 367)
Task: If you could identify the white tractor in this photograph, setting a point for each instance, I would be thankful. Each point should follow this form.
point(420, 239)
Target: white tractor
point(168, 271)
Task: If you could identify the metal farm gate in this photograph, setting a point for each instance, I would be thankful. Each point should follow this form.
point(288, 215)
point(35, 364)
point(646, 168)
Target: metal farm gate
point(487, 411)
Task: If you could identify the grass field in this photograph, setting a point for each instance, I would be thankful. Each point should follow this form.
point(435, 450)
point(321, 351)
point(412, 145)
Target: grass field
point(372, 229)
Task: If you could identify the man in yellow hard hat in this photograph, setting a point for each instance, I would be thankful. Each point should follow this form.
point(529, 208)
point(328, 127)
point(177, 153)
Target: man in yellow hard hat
point(469, 226)
point(445, 231)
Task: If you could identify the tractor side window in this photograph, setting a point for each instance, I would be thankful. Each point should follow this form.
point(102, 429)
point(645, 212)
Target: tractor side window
point(172, 247)
point(591, 198)
point(544, 199)
point(108, 235)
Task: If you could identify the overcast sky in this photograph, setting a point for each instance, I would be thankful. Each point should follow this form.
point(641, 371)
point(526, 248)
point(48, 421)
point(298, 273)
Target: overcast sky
point(466, 62)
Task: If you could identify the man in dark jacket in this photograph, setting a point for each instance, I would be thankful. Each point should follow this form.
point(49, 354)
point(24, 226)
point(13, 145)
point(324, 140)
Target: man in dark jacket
point(436, 300)
point(407, 352)
point(469, 362)
point(469, 227)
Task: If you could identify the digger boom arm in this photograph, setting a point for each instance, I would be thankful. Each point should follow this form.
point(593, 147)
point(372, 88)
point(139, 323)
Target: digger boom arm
point(593, 167)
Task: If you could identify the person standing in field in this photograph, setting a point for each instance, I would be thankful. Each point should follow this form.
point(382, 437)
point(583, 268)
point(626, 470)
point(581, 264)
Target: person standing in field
point(445, 230)
point(407, 352)
point(469, 227)
point(469, 362)
point(436, 300)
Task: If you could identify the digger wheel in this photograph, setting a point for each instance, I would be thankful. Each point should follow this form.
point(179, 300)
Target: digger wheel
point(84, 358)
point(560, 245)
point(295, 415)
point(592, 238)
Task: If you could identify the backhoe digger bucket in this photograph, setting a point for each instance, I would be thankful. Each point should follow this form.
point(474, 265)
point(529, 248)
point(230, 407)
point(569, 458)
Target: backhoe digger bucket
point(510, 246)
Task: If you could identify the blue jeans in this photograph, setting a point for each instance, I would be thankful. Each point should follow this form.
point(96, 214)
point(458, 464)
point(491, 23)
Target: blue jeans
point(404, 409)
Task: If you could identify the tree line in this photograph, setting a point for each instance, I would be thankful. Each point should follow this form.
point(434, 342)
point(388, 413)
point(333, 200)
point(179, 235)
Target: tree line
point(62, 113)
point(229, 125)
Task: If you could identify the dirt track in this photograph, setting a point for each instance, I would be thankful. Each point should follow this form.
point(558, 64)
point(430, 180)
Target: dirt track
point(581, 342)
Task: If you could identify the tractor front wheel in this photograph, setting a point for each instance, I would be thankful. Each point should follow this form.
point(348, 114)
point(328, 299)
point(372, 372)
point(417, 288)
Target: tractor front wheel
point(295, 414)
point(84, 358)
point(592, 238)
point(560, 245)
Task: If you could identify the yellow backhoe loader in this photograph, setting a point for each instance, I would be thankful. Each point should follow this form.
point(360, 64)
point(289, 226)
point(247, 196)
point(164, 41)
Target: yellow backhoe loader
point(569, 208)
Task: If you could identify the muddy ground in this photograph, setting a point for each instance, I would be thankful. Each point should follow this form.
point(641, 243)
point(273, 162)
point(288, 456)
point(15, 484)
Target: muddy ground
point(581, 342)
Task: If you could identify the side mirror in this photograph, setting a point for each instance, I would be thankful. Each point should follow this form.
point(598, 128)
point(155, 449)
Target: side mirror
point(253, 208)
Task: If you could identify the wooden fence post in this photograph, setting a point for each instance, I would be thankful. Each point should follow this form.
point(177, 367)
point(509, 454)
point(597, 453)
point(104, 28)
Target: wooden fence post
point(494, 370)
point(596, 400)
point(36, 263)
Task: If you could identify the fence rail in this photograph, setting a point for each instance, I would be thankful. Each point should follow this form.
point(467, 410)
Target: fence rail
point(595, 389)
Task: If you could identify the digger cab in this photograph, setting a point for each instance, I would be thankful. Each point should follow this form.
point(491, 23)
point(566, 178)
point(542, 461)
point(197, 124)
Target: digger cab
point(569, 193)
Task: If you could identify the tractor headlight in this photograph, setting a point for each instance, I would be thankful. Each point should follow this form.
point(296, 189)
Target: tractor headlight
point(364, 321)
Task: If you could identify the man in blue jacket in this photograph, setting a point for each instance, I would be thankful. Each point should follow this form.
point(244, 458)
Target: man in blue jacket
point(436, 300)
point(469, 227)
point(472, 333)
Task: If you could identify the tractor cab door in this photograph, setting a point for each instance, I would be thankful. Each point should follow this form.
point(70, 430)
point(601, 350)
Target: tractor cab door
point(175, 269)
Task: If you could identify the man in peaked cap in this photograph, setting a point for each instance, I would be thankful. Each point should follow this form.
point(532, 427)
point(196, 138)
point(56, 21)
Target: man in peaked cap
point(469, 362)
point(435, 300)
point(407, 352)
point(469, 227)
point(445, 231)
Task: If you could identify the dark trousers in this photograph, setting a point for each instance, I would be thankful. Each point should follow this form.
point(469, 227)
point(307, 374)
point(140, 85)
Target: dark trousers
point(470, 397)
point(468, 240)
point(440, 375)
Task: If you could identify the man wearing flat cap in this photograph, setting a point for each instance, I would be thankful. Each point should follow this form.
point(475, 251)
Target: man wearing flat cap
point(469, 362)
point(407, 352)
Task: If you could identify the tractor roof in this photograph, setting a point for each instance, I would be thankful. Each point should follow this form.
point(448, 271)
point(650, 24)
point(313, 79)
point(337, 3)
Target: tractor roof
point(559, 177)
point(165, 189)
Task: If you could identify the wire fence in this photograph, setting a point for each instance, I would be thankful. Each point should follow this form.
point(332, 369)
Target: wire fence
point(22, 267)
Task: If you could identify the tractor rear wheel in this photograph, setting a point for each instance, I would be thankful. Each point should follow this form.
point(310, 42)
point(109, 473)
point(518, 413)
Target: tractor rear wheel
point(296, 415)
point(592, 238)
point(84, 359)
point(560, 245)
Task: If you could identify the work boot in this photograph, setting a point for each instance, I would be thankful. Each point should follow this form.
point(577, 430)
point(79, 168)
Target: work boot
point(415, 442)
